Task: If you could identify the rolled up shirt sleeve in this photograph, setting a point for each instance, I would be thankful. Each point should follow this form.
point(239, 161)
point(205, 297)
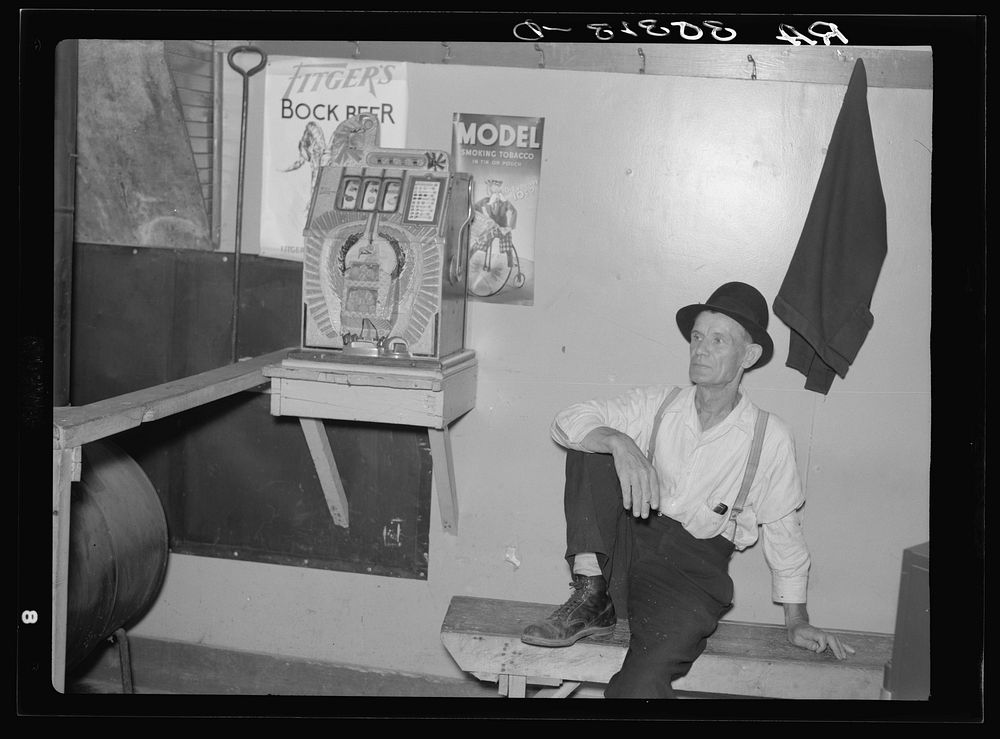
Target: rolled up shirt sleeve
point(628, 413)
point(787, 556)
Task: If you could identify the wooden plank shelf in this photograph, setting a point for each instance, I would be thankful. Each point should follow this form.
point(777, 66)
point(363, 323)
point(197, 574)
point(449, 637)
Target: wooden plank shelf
point(73, 426)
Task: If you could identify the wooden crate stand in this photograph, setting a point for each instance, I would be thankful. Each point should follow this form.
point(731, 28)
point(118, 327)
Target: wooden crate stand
point(412, 396)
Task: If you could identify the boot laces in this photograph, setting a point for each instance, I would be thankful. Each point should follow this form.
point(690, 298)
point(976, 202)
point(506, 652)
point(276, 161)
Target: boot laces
point(577, 597)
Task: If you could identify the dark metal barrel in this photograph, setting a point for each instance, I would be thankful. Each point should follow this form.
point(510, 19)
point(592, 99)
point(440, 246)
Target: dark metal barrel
point(118, 548)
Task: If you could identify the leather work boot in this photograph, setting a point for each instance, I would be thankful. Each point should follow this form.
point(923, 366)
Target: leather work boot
point(588, 612)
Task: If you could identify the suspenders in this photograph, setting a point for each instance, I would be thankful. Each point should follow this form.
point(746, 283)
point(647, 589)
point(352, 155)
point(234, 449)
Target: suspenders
point(656, 422)
point(752, 461)
point(755, 445)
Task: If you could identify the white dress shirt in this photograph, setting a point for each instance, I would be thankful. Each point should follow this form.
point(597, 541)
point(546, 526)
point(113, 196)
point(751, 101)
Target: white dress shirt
point(698, 470)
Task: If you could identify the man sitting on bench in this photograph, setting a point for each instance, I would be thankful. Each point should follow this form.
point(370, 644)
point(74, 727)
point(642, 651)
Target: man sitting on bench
point(715, 467)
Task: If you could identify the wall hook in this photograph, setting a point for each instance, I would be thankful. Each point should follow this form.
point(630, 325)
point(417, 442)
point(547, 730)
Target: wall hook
point(642, 68)
point(357, 49)
point(447, 52)
point(753, 74)
point(541, 63)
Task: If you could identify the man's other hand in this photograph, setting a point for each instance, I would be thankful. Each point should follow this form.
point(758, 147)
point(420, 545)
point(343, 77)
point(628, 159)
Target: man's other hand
point(816, 640)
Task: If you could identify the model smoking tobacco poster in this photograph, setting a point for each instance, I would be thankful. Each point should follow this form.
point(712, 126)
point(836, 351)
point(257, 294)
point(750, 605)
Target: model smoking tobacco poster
point(504, 156)
point(310, 105)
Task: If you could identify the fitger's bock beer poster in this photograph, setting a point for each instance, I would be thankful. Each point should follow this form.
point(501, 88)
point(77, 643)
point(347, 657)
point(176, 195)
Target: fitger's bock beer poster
point(504, 156)
point(307, 106)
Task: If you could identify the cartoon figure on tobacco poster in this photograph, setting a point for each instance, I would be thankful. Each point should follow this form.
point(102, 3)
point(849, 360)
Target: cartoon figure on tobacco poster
point(493, 260)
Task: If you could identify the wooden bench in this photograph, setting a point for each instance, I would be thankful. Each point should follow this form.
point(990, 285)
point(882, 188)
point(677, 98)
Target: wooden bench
point(741, 659)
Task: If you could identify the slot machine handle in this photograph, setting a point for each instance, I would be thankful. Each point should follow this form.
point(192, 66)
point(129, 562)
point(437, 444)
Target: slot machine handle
point(458, 264)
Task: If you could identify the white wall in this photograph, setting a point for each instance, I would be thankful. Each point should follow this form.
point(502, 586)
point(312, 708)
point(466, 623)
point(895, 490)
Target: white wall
point(654, 190)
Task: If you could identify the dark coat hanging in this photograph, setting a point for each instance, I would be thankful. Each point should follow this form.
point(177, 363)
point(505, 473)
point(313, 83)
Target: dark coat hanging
point(825, 297)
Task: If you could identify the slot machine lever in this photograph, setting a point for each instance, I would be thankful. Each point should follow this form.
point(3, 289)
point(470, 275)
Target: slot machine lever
point(457, 267)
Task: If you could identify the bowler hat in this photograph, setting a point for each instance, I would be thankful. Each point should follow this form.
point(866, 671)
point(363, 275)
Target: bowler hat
point(741, 302)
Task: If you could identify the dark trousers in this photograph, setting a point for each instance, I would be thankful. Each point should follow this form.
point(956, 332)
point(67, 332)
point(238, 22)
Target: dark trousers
point(672, 587)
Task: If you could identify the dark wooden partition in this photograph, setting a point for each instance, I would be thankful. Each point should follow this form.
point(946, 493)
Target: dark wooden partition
point(235, 481)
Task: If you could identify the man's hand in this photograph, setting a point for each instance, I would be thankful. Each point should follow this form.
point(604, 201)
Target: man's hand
point(817, 640)
point(802, 634)
point(639, 481)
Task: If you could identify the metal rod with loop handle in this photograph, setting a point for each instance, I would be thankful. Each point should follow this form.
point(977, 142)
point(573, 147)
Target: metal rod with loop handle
point(246, 74)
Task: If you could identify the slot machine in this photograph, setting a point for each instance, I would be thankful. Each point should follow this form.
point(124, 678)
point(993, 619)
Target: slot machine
point(384, 275)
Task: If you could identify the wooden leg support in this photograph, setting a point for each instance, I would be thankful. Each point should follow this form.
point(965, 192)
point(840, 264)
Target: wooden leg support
point(124, 661)
point(326, 468)
point(65, 469)
point(512, 686)
point(444, 478)
point(563, 691)
point(329, 476)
